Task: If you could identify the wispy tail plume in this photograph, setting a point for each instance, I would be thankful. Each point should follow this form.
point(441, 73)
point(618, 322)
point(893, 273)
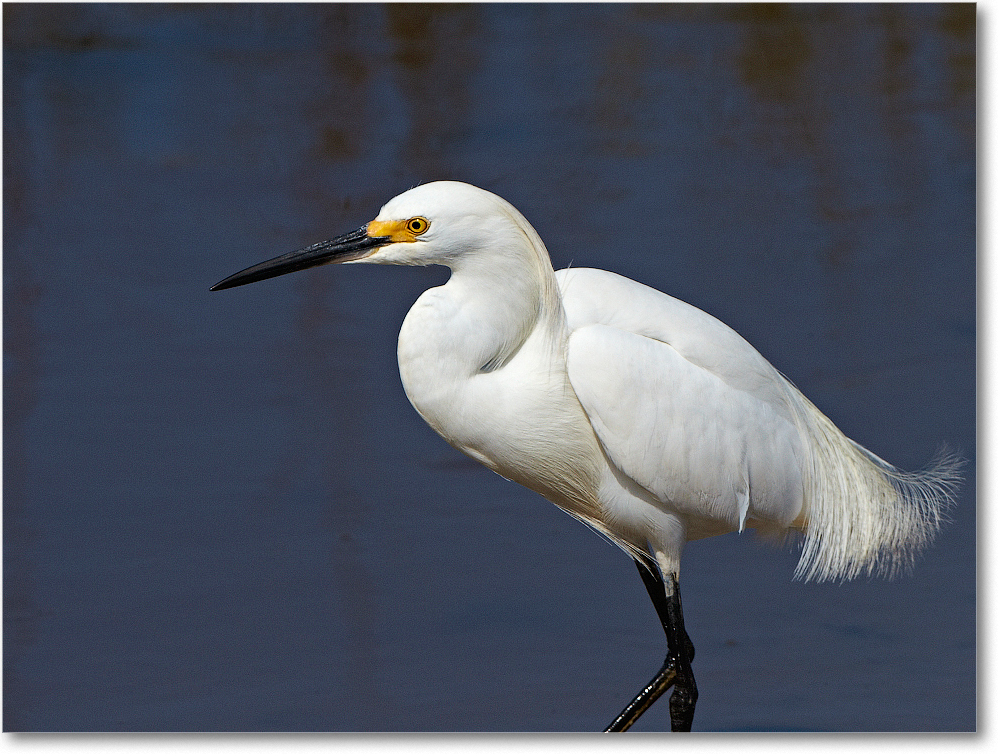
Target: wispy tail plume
point(864, 515)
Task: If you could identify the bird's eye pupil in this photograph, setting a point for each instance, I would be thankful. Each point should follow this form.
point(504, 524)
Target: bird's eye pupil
point(417, 225)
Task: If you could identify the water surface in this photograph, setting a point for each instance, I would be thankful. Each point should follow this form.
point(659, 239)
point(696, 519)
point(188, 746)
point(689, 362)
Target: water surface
point(220, 512)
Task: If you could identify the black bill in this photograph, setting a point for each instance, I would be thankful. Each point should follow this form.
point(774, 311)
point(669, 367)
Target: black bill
point(352, 246)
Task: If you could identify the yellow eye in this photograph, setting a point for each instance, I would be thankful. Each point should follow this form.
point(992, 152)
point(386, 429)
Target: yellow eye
point(417, 226)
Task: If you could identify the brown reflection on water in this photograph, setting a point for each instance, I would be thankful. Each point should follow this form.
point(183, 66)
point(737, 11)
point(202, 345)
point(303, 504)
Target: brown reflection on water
point(843, 94)
point(785, 58)
point(776, 52)
point(323, 358)
point(342, 110)
point(958, 23)
point(436, 54)
point(620, 92)
point(429, 54)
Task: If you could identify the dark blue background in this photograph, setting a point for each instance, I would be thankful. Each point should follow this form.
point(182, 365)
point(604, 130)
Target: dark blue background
point(220, 512)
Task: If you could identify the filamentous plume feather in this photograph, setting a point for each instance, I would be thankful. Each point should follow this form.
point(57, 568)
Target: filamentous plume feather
point(865, 516)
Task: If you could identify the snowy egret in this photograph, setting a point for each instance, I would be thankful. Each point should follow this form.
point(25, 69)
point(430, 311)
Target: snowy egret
point(640, 415)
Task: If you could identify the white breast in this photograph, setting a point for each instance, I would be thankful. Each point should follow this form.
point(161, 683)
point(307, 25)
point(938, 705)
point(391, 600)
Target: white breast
point(520, 419)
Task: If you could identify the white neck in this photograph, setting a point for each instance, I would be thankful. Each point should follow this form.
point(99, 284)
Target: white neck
point(482, 360)
point(494, 301)
point(505, 300)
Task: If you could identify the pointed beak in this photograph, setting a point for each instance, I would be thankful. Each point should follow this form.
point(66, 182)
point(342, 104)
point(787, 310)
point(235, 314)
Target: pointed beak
point(352, 246)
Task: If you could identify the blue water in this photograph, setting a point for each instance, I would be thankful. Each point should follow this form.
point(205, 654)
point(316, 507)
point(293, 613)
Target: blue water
point(221, 513)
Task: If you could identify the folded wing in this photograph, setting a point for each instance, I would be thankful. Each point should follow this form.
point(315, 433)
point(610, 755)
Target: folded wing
point(682, 404)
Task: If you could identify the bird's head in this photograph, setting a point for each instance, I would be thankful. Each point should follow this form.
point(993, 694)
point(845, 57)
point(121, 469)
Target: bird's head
point(439, 223)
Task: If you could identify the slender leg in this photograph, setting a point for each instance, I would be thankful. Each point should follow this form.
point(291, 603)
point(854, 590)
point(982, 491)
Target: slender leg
point(676, 669)
point(656, 687)
point(685, 694)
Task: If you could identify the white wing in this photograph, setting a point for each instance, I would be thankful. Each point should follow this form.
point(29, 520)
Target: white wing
point(681, 403)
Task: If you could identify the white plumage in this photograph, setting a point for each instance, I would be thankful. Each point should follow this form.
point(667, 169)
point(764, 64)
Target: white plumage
point(697, 434)
point(640, 415)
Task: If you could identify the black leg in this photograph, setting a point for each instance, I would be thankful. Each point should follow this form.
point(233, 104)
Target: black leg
point(676, 669)
point(680, 647)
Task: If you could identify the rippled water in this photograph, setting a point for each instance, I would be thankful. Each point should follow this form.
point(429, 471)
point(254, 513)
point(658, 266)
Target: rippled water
point(220, 512)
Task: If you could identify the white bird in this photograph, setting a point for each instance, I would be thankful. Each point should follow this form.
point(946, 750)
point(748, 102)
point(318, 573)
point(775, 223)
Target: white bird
point(640, 415)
